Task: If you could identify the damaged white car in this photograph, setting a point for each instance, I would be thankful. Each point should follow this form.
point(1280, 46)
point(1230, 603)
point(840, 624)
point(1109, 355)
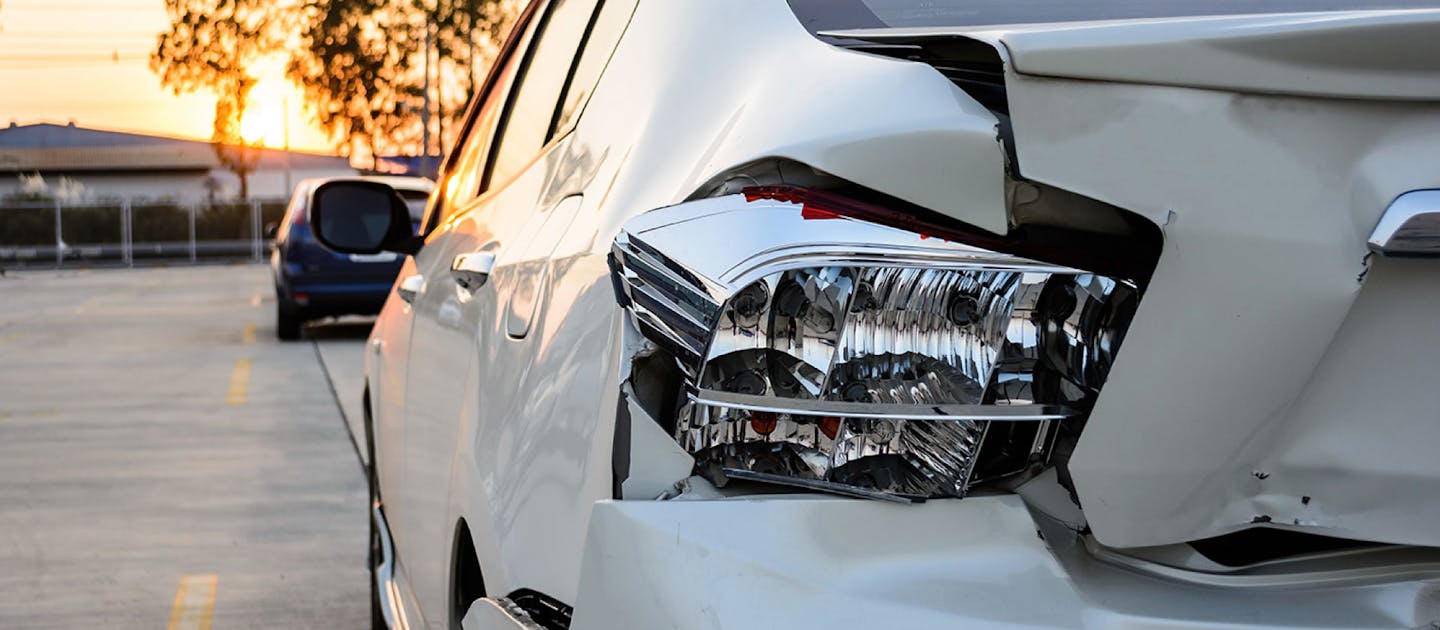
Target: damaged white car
point(921, 314)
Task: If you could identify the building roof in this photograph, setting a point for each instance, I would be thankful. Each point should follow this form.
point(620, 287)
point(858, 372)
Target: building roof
point(47, 147)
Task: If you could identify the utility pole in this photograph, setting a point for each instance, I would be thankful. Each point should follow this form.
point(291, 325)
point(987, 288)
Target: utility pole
point(470, 57)
point(425, 113)
point(289, 169)
point(439, 98)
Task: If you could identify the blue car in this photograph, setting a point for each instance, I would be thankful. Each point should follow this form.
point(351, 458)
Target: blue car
point(312, 282)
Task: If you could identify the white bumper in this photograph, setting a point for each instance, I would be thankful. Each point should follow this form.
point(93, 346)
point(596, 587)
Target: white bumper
point(805, 562)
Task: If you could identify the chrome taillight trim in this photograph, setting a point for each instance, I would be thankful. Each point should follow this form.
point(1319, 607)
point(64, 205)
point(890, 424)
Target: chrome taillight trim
point(656, 290)
point(776, 312)
point(880, 411)
point(1410, 227)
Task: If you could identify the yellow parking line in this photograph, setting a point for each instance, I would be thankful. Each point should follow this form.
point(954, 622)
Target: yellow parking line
point(41, 413)
point(86, 306)
point(239, 383)
point(194, 602)
point(249, 335)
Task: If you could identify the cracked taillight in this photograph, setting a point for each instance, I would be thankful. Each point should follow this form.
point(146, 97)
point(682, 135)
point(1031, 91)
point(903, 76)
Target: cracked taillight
point(822, 348)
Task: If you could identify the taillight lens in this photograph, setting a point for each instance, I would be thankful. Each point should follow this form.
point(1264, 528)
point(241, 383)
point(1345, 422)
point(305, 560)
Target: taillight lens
point(857, 357)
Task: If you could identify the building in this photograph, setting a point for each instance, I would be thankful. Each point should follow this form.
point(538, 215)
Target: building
point(94, 164)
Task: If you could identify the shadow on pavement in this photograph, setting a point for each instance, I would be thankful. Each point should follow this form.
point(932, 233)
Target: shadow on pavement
point(342, 329)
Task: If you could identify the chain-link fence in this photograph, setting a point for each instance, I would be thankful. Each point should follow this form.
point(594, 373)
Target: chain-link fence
point(52, 234)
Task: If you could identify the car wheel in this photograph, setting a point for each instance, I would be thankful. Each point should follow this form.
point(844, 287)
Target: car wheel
point(287, 321)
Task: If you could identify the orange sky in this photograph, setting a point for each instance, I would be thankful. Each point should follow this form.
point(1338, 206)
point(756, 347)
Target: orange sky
point(86, 61)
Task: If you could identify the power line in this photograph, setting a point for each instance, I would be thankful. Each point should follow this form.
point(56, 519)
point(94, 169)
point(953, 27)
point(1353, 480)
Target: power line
point(69, 36)
point(93, 56)
point(10, 6)
point(74, 65)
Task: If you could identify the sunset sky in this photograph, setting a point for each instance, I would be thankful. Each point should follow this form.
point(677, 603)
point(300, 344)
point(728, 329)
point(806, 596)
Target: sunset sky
point(86, 61)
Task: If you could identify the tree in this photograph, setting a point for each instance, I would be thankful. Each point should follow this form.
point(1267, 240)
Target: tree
point(211, 45)
point(234, 152)
point(362, 64)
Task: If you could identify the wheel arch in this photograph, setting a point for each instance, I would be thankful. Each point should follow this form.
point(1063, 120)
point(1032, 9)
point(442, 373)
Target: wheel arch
point(467, 579)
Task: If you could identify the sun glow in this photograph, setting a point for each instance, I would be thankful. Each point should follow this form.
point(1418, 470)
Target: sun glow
point(264, 120)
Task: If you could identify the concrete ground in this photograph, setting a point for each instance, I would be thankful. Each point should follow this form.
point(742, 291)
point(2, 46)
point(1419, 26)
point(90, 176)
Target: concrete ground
point(166, 463)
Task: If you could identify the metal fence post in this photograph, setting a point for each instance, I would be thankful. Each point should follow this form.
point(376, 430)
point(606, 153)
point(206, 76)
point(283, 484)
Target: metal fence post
point(192, 231)
point(258, 240)
point(127, 239)
point(59, 249)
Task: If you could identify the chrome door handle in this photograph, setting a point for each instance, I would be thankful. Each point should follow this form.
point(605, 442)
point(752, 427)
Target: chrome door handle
point(409, 287)
point(472, 270)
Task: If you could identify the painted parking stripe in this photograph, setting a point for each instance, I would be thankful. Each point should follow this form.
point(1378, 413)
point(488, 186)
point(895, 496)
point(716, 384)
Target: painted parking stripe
point(194, 602)
point(239, 383)
point(249, 336)
point(86, 306)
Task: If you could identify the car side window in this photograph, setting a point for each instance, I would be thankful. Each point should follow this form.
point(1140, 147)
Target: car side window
point(461, 182)
point(607, 27)
point(530, 113)
point(293, 211)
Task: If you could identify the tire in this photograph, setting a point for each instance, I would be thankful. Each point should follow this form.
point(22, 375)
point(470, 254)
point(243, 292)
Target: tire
point(287, 321)
point(377, 616)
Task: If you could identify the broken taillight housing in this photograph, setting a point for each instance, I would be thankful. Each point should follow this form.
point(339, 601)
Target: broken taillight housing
point(825, 349)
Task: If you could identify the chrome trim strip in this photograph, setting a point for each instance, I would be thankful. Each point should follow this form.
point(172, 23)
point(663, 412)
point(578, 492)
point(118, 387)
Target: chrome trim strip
point(860, 254)
point(977, 413)
point(855, 492)
point(1392, 572)
point(1410, 227)
point(390, 605)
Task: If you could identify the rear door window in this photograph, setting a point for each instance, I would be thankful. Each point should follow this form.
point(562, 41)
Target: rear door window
point(461, 182)
point(605, 31)
point(530, 114)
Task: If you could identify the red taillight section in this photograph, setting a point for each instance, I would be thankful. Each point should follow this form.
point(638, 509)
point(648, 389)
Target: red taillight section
point(763, 422)
point(822, 204)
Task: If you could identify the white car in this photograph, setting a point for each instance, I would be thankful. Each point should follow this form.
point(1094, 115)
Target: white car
point(768, 314)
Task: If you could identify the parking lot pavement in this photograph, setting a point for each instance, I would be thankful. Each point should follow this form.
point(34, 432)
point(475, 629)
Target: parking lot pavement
point(164, 462)
point(341, 346)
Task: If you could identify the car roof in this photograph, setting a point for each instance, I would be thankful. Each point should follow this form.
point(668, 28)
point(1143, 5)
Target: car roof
point(398, 182)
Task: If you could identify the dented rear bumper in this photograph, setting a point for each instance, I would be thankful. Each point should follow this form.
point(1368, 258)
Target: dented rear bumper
point(984, 562)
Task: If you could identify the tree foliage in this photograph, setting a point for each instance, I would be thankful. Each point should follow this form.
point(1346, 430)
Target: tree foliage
point(362, 62)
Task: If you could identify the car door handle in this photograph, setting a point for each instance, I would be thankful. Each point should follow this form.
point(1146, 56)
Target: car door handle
point(409, 287)
point(472, 270)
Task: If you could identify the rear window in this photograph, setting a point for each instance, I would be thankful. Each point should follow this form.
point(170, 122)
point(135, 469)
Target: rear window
point(415, 200)
point(826, 15)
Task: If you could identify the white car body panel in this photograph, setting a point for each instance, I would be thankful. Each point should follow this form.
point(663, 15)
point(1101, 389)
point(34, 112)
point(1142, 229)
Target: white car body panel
point(503, 410)
point(1336, 54)
point(823, 562)
point(1283, 240)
